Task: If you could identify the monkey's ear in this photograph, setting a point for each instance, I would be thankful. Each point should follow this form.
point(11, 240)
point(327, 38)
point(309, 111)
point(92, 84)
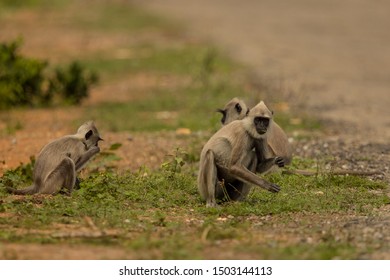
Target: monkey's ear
point(88, 134)
point(238, 108)
point(223, 112)
point(220, 111)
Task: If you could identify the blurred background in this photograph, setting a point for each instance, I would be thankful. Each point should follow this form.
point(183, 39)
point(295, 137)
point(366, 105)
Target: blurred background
point(332, 54)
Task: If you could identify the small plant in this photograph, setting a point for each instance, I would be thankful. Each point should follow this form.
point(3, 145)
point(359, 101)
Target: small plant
point(21, 175)
point(23, 81)
point(73, 83)
point(176, 162)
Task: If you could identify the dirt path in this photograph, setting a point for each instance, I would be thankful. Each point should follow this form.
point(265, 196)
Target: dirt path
point(333, 54)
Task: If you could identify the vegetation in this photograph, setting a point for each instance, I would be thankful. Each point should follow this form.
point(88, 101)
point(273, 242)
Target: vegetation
point(167, 81)
point(161, 210)
point(23, 81)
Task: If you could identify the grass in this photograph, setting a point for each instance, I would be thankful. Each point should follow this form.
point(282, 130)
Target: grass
point(158, 213)
point(162, 211)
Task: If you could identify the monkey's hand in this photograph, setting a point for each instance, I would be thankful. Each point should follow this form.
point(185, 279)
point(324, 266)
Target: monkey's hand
point(95, 149)
point(84, 158)
point(273, 188)
point(279, 161)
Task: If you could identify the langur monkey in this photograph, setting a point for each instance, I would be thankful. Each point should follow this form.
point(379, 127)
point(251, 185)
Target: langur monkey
point(278, 145)
point(235, 109)
point(59, 161)
point(228, 162)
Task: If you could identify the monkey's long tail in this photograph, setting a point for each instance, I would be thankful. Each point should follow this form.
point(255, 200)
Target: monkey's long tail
point(29, 190)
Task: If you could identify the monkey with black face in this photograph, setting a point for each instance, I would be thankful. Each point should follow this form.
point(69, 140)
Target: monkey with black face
point(277, 145)
point(59, 161)
point(277, 141)
point(227, 161)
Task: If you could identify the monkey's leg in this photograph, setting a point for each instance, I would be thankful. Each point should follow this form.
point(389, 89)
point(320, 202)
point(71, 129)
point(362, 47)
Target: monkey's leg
point(64, 175)
point(209, 179)
point(239, 189)
point(252, 164)
point(84, 158)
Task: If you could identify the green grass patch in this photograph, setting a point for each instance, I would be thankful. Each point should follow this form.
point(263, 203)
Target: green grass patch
point(200, 62)
point(164, 110)
point(117, 16)
point(157, 209)
point(207, 86)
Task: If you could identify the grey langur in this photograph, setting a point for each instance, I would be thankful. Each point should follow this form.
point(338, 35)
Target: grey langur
point(228, 163)
point(277, 141)
point(59, 161)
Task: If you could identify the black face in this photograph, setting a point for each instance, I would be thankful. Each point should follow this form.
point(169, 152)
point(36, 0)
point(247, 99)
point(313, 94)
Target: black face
point(261, 124)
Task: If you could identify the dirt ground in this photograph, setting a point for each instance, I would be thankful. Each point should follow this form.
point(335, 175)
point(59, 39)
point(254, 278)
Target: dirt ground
point(331, 57)
point(331, 54)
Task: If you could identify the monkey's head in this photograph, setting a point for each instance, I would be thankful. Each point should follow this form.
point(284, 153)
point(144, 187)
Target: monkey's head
point(89, 133)
point(235, 109)
point(259, 121)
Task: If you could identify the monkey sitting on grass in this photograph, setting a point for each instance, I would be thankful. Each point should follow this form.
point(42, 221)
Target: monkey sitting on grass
point(277, 144)
point(59, 161)
point(228, 162)
point(277, 141)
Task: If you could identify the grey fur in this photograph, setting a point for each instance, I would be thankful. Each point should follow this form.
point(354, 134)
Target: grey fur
point(228, 162)
point(277, 141)
point(59, 161)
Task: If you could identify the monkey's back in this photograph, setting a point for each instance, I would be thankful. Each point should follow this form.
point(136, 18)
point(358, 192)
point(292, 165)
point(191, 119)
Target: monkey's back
point(223, 141)
point(53, 153)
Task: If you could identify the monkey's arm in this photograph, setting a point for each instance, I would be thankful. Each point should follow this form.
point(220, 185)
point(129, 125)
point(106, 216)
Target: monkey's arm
point(264, 164)
point(84, 158)
point(243, 174)
point(240, 172)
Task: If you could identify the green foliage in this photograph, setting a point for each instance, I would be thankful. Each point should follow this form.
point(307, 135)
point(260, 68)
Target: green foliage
point(73, 83)
point(22, 175)
point(23, 81)
point(175, 164)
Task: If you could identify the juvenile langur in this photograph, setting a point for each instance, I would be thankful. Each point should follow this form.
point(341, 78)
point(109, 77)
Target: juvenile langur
point(228, 162)
point(278, 145)
point(59, 161)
